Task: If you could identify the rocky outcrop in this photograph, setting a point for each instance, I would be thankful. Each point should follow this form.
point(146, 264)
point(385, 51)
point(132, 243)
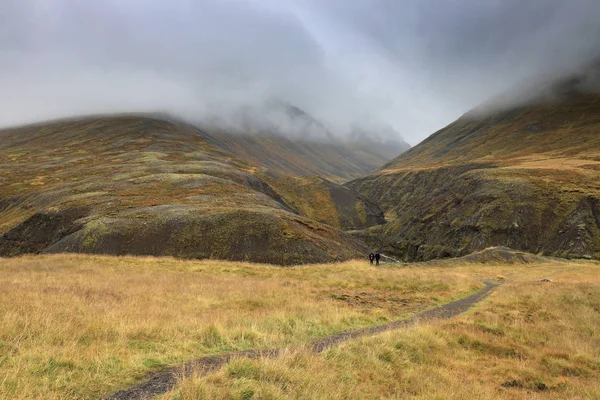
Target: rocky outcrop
point(454, 211)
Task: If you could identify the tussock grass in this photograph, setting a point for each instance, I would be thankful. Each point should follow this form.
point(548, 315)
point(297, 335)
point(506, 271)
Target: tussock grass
point(74, 326)
point(528, 340)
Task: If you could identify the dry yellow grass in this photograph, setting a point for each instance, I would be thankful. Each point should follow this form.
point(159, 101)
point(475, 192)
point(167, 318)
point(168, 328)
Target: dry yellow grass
point(528, 340)
point(74, 327)
point(547, 162)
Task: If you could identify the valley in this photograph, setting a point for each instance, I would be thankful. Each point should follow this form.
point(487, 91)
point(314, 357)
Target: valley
point(310, 200)
point(524, 177)
point(142, 258)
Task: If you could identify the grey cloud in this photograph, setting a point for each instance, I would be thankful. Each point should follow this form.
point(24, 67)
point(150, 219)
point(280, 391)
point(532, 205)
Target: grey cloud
point(468, 50)
point(414, 65)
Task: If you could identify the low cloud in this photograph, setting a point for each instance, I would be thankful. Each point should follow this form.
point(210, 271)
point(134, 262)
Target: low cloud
point(403, 68)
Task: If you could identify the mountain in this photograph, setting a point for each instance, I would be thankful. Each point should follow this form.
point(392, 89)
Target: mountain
point(383, 141)
point(526, 177)
point(337, 160)
point(138, 184)
point(288, 140)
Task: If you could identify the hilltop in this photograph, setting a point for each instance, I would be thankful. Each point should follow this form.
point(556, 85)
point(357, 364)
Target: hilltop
point(524, 177)
point(138, 184)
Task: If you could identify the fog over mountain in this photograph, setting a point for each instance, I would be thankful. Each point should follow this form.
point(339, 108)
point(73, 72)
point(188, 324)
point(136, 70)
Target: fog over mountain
point(412, 65)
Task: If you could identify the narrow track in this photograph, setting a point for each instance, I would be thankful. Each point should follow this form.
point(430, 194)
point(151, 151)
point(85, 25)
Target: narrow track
point(165, 380)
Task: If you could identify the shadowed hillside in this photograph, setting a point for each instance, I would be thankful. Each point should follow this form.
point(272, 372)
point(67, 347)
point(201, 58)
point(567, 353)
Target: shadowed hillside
point(141, 185)
point(334, 159)
point(526, 178)
point(300, 145)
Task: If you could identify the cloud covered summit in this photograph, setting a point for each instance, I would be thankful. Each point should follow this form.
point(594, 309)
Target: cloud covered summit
point(413, 65)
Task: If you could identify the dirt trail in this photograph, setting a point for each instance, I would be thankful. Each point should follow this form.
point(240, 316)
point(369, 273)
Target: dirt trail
point(165, 380)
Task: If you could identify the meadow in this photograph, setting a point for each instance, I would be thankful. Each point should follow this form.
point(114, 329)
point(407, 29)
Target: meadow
point(528, 340)
point(80, 326)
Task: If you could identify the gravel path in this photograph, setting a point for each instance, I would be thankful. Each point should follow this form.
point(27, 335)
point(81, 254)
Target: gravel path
point(165, 380)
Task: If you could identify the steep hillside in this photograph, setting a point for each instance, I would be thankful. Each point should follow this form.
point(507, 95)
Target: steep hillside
point(526, 178)
point(295, 143)
point(334, 159)
point(141, 185)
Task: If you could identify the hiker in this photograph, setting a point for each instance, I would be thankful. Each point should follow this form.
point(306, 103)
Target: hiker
point(371, 257)
point(377, 257)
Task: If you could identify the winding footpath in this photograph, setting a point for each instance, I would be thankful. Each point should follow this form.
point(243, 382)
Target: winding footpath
point(165, 380)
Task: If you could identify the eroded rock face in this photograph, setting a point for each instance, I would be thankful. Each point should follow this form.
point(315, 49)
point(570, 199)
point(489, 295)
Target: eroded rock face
point(41, 230)
point(354, 212)
point(452, 212)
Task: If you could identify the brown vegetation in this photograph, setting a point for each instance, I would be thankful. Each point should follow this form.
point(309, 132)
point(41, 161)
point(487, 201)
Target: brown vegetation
point(335, 160)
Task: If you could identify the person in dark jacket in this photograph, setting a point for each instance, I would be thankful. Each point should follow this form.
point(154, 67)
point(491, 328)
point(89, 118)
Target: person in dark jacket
point(377, 257)
point(371, 258)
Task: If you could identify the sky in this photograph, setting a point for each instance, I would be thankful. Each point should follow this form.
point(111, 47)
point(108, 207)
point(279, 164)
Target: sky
point(412, 65)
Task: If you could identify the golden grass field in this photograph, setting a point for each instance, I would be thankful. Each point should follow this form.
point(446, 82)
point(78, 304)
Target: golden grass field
point(529, 340)
point(79, 327)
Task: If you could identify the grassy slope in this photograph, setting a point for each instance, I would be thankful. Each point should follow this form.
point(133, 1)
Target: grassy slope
point(309, 148)
point(76, 326)
point(525, 178)
point(336, 161)
point(140, 185)
point(529, 340)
